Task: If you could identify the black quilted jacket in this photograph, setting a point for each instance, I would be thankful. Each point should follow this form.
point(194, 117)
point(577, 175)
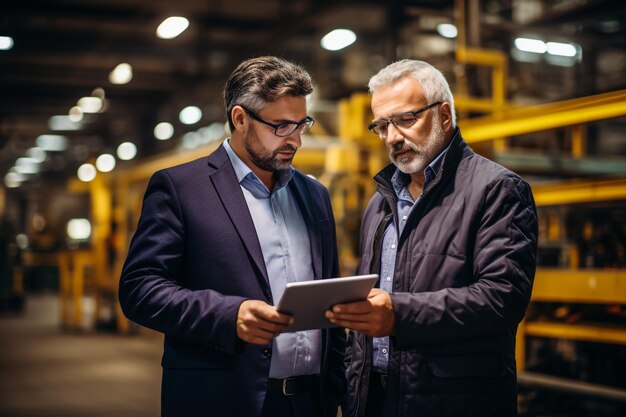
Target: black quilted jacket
point(464, 271)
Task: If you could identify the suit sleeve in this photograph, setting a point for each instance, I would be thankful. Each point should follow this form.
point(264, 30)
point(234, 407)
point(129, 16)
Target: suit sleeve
point(504, 260)
point(150, 292)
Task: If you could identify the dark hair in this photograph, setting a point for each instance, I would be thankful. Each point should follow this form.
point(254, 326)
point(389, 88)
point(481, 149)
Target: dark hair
point(258, 81)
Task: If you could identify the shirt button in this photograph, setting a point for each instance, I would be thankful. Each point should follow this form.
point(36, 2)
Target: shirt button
point(403, 218)
point(267, 352)
point(384, 350)
point(393, 246)
point(388, 279)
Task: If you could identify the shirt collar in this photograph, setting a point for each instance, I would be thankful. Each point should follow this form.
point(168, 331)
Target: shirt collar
point(243, 171)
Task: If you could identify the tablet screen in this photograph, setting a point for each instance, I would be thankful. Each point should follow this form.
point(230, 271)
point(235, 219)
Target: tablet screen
point(307, 301)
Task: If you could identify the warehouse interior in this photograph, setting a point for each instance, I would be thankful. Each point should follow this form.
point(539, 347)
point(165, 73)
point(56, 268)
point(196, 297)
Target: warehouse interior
point(93, 101)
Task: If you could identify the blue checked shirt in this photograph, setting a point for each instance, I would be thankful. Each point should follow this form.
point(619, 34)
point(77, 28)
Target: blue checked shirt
point(405, 204)
point(286, 248)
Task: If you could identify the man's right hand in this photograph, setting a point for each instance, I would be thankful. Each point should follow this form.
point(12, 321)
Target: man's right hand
point(259, 322)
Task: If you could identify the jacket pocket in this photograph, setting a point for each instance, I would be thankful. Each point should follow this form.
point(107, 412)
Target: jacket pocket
point(466, 366)
point(194, 357)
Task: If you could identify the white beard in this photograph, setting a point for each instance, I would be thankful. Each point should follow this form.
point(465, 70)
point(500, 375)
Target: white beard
point(422, 154)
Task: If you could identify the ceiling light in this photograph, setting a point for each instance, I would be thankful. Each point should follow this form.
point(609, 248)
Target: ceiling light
point(63, 122)
point(13, 179)
point(190, 115)
point(165, 130)
point(86, 172)
point(105, 162)
point(6, 43)
point(90, 104)
point(447, 30)
point(126, 151)
point(536, 46)
point(172, 27)
point(98, 92)
point(27, 165)
point(561, 49)
point(75, 114)
point(78, 229)
point(52, 143)
point(122, 74)
point(37, 154)
point(338, 39)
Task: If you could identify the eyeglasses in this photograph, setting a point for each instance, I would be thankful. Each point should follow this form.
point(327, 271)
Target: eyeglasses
point(285, 129)
point(402, 121)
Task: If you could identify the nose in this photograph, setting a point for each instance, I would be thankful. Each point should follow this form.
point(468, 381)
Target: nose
point(295, 139)
point(393, 135)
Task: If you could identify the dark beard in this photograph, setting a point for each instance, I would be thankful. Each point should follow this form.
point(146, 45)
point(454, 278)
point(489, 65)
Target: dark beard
point(268, 161)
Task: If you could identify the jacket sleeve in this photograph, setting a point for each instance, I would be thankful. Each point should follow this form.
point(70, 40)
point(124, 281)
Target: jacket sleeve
point(504, 260)
point(150, 290)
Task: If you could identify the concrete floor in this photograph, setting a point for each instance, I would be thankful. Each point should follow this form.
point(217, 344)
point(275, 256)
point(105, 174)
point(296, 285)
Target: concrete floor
point(48, 372)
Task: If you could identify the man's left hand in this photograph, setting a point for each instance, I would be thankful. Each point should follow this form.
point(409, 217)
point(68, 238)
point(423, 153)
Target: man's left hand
point(373, 316)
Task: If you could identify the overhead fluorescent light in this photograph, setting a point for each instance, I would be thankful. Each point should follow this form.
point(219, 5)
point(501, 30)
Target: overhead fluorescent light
point(13, 179)
point(52, 143)
point(36, 153)
point(561, 49)
point(172, 27)
point(27, 165)
point(75, 114)
point(338, 39)
point(63, 122)
point(90, 104)
point(536, 46)
point(121, 74)
point(447, 30)
point(6, 43)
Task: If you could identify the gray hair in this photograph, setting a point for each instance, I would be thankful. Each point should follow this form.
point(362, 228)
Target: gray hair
point(258, 81)
point(431, 80)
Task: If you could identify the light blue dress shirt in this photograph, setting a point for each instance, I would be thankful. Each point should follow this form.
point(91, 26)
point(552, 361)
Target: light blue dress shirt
point(405, 205)
point(284, 240)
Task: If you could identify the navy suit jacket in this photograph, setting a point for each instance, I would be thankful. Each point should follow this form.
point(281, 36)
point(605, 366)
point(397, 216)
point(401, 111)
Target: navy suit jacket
point(194, 258)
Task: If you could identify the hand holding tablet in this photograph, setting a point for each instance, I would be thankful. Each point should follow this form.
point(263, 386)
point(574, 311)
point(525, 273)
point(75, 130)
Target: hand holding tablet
point(307, 301)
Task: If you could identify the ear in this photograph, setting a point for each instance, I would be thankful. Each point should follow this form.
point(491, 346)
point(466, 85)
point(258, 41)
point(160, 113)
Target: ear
point(445, 116)
point(238, 117)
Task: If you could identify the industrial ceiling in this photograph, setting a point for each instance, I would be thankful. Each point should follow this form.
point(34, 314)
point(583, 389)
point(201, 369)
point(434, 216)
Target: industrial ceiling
point(65, 49)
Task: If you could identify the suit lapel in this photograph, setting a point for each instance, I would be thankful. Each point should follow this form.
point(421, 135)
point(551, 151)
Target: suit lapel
point(229, 191)
point(301, 192)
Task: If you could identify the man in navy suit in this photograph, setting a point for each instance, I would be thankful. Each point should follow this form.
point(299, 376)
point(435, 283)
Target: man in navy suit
point(217, 241)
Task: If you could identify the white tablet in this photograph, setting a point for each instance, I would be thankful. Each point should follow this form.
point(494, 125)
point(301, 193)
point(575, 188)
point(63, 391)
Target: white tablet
point(307, 301)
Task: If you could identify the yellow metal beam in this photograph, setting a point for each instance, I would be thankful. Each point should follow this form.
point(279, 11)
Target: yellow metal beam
point(580, 286)
point(584, 332)
point(545, 117)
point(571, 192)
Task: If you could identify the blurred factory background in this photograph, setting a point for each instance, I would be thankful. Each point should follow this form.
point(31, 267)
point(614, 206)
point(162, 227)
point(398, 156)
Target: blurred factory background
point(96, 95)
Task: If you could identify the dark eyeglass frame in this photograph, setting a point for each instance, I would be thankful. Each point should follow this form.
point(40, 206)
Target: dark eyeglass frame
point(374, 127)
point(307, 122)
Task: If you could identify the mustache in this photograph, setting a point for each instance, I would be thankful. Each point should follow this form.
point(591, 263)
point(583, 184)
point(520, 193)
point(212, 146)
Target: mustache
point(403, 146)
point(286, 148)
